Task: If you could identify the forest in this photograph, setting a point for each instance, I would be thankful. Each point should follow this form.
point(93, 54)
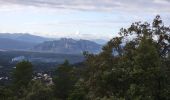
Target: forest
point(135, 65)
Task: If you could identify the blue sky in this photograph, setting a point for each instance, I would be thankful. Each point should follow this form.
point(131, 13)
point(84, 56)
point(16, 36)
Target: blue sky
point(87, 19)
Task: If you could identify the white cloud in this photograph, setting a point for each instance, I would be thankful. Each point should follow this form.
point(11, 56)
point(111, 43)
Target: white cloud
point(98, 18)
point(99, 5)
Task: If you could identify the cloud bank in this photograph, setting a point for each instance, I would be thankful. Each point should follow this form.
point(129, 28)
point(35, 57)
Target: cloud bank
point(93, 18)
point(96, 5)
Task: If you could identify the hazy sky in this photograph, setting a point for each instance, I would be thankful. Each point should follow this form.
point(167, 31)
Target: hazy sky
point(100, 19)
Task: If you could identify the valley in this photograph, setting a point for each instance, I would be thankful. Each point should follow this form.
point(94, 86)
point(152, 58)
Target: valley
point(42, 62)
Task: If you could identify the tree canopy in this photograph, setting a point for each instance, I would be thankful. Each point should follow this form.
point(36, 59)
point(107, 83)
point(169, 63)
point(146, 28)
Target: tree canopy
point(132, 65)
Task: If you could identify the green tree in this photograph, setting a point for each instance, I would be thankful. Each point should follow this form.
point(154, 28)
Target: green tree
point(38, 91)
point(64, 81)
point(6, 93)
point(107, 74)
point(147, 73)
point(131, 68)
point(21, 77)
point(79, 92)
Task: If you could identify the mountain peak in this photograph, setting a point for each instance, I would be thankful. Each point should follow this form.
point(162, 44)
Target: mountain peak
point(68, 46)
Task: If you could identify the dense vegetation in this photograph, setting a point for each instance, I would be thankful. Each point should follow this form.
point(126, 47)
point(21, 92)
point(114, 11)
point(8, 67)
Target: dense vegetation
point(42, 62)
point(133, 66)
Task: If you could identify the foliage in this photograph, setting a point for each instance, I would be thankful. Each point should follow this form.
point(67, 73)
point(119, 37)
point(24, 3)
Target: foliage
point(38, 91)
point(79, 91)
point(64, 80)
point(132, 66)
point(22, 74)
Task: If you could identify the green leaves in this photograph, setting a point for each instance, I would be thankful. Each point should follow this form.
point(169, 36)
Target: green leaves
point(135, 71)
point(22, 74)
point(64, 80)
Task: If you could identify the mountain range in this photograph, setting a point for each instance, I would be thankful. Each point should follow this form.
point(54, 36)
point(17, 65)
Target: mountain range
point(19, 41)
point(26, 37)
point(11, 44)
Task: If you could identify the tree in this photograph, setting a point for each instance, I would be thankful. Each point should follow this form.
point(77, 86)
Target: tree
point(107, 74)
point(6, 93)
point(147, 74)
point(38, 91)
point(151, 46)
point(79, 92)
point(135, 68)
point(22, 75)
point(64, 80)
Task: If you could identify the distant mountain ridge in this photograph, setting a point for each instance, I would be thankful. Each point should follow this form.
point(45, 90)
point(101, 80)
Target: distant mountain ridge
point(68, 46)
point(25, 41)
point(26, 37)
point(11, 44)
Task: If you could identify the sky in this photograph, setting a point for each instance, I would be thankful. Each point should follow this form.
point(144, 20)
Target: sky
point(86, 19)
